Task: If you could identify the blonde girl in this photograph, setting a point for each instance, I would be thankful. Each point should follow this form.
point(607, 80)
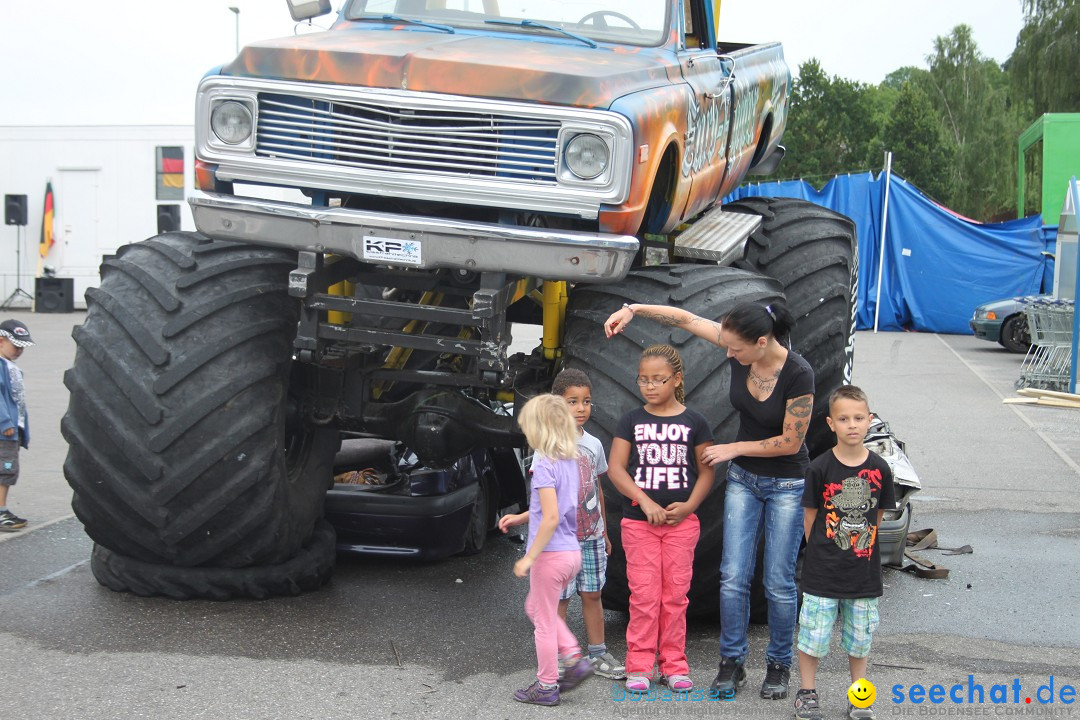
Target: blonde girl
point(656, 463)
point(553, 554)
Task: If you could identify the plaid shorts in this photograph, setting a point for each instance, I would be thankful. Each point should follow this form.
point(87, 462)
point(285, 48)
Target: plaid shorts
point(593, 569)
point(860, 619)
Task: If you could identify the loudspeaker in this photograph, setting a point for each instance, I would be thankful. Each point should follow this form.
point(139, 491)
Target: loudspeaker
point(14, 209)
point(168, 218)
point(54, 295)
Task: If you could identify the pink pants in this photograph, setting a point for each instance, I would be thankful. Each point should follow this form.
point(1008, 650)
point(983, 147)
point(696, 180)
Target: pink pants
point(659, 565)
point(547, 577)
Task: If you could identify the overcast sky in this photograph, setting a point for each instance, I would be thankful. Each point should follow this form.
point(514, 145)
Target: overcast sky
point(69, 62)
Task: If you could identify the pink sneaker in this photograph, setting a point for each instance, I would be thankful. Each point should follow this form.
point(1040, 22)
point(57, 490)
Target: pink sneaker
point(679, 683)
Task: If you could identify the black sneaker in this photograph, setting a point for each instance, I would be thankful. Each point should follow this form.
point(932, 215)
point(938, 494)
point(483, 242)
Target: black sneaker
point(775, 686)
point(9, 522)
point(731, 677)
point(806, 705)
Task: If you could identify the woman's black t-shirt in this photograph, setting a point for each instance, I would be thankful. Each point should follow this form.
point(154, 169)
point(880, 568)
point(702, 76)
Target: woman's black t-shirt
point(760, 420)
point(662, 460)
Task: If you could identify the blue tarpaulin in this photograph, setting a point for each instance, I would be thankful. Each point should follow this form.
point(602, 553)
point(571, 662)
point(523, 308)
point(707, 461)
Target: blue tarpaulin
point(938, 265)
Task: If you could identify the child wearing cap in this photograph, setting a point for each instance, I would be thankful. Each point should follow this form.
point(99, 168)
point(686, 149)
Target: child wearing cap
point(14, 422)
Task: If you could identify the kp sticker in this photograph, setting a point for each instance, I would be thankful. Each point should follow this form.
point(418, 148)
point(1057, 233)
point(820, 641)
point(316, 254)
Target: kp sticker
point(392, 251)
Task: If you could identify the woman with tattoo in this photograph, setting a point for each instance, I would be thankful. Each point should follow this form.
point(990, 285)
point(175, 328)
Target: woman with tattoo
point(772, 389)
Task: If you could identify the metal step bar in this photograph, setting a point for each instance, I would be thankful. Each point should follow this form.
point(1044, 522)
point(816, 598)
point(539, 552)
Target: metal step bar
point(718, 235)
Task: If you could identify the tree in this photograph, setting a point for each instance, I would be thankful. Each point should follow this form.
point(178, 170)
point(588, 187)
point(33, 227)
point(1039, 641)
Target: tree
point(830, 126)
point(913, 133)
point(970, 95)
point(1046, 56)
point(908, 73)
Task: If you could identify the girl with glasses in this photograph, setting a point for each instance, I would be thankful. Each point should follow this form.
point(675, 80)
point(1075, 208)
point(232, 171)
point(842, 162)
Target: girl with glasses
point(656, 463)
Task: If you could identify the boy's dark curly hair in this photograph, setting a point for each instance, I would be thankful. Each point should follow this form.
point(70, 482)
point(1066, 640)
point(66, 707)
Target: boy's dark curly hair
point(569, 378)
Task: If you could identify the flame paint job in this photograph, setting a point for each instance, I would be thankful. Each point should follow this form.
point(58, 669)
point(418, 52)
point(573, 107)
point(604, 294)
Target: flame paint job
point(704, 109)
point(507, 68)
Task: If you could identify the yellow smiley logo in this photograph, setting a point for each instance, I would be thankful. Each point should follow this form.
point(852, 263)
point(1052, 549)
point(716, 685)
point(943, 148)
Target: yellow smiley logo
point(862, 693)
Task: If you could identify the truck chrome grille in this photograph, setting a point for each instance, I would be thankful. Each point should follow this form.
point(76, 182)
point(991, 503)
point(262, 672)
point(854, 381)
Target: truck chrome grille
point(375, 136)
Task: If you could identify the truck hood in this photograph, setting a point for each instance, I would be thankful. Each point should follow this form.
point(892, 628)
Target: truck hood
point(461, 64)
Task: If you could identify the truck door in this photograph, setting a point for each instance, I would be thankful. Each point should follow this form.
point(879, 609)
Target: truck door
point(708, 109)
point(759, 89)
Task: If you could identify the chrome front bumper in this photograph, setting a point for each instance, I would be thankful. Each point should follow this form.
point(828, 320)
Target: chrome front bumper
point(412, 241)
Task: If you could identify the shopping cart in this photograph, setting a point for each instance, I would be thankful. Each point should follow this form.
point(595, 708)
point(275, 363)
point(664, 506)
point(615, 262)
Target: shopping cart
point(1048, 362)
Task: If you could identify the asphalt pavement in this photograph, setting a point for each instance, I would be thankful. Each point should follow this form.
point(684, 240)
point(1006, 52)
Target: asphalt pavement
point(450, 640)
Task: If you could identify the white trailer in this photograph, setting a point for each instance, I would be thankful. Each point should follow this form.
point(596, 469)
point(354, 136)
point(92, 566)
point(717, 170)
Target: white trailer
point(104, 181)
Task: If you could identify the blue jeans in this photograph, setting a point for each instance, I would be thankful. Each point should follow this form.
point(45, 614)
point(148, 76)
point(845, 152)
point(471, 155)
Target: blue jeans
point(753, 503)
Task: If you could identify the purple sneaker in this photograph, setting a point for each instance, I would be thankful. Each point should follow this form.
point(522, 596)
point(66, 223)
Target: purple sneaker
point(536, 695)
point(576, 674)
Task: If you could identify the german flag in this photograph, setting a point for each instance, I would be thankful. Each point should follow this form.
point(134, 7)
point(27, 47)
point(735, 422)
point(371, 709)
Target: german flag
point(170, 173)
point(47, 236)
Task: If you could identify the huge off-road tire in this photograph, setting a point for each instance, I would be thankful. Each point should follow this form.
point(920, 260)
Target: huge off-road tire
point(611, 365)
point(191, 468)
point(812, 252)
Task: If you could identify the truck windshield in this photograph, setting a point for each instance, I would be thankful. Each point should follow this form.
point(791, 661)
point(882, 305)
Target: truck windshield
point(632, 22)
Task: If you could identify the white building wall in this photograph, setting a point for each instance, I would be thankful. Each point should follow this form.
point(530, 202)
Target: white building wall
point(104, 184)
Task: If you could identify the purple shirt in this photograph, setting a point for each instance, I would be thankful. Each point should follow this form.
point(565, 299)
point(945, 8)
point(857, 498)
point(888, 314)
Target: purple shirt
point(565, 477)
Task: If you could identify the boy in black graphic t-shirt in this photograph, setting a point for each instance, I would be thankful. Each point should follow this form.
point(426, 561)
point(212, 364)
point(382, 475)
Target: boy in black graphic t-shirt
point(847, 489)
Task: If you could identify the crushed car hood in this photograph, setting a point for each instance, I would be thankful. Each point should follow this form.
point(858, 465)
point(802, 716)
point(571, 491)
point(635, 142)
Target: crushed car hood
point(880, 439)
point(461, 64)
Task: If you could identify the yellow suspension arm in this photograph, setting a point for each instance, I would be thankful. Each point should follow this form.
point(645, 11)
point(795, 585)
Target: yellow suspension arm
point(554, 294)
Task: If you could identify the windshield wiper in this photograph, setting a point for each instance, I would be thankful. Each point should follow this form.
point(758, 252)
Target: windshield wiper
point(398, 18)
point(552, 28)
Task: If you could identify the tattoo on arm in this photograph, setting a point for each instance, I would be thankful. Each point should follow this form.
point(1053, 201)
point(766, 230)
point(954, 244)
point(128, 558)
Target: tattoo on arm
point(662, 318)
point(801, 407)
point(696, 320)
point(798, 418)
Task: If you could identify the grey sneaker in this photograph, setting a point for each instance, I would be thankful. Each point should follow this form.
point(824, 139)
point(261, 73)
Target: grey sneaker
point(607, 666)
point(775, 686)
point(806, 705)
point(861, 713)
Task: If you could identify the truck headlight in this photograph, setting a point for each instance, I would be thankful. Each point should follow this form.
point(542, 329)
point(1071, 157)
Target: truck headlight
point(231, 122)
point(587, 156)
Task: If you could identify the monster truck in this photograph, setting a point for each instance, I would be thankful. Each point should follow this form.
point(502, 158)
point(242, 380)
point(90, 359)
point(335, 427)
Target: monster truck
point(457, 168)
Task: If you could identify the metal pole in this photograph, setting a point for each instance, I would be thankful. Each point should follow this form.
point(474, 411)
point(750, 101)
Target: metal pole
point(236, 11)
point(881, 250)
point(1076, 294)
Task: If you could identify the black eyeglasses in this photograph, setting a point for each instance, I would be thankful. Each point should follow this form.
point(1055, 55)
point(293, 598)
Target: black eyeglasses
point(645, 382)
